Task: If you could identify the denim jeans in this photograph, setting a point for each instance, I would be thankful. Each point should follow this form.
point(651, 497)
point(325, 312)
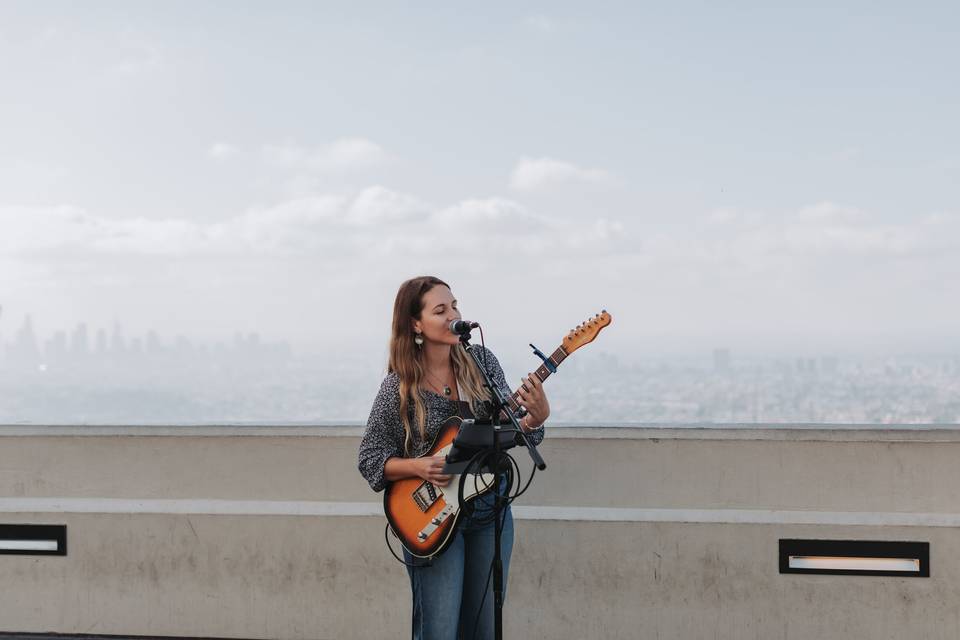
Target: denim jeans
point(447, 593)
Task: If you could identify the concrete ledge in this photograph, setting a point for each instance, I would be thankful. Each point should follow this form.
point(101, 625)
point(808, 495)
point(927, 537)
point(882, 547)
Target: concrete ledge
point(785, 432)
point(520, 512)
point(258, 531)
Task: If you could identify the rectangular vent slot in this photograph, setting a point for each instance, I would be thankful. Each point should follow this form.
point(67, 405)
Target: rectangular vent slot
point(33, 539)
point(855, 557)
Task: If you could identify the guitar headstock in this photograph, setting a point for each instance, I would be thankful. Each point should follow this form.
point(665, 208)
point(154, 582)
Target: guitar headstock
point(586, 332)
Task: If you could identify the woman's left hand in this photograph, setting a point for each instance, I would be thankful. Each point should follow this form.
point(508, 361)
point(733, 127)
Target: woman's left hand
point(534, 400)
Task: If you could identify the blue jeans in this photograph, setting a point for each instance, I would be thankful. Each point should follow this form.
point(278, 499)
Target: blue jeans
point(447, 593)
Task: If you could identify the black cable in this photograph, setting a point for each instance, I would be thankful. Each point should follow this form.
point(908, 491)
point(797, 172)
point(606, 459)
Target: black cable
point(533, 472)
point(469, 509)
point(505, 497)
point(386, 536)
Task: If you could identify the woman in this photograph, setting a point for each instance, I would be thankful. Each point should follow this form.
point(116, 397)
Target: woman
point(430, 378)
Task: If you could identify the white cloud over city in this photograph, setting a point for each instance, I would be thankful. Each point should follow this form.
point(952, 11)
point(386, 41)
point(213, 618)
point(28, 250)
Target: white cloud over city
point(536, 174)
point(344, 154)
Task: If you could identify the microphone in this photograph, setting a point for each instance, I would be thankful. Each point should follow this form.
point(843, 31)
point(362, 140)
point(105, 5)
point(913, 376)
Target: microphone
point(462, 327)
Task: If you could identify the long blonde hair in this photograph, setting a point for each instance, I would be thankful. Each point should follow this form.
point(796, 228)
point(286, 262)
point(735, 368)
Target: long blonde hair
point(406, 359)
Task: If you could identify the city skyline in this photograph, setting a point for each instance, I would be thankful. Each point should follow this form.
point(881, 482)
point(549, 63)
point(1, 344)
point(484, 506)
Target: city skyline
point(86, 338)
point(89, 376)
point(83, 341)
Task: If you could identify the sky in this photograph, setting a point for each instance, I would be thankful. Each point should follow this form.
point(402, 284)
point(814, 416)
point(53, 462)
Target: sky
point(766, 178)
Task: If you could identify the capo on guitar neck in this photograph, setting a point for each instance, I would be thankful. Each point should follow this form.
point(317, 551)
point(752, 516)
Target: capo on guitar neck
point(552, 368)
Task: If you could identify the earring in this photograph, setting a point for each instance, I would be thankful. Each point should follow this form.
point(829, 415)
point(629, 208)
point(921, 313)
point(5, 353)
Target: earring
point(418, 339)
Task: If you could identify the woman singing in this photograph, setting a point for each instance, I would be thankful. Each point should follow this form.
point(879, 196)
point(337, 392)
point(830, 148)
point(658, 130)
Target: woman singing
point(431, 378)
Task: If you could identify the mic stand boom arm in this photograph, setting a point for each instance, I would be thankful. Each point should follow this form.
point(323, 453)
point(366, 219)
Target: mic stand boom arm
point(502, 405)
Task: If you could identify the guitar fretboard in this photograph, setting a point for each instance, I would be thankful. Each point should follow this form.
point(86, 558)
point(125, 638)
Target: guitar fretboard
point(542, 373)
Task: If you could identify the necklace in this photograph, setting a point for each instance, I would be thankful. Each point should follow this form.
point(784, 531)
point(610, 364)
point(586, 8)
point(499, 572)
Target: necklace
point(446, 388)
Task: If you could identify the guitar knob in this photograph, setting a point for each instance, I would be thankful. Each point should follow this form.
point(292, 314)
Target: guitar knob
point(436, 522)
point(421, 536)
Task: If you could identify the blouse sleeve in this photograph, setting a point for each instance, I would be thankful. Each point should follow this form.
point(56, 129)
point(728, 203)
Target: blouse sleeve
point(496, 374)
point(383, 437)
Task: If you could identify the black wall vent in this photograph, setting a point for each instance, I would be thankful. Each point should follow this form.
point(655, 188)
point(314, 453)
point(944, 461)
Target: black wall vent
point(855, 557)
point(33, 539)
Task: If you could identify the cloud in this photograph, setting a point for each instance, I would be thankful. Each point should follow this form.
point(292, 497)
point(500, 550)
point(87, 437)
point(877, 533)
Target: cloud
point(375, 223)
point(139, 55)
point(300, 225)
point(380, 206)
point(345, 154)
point(820, 230)
point(366, 221)
point(489, 215)
point(846, 154)
point(540, 23)
point(941, 218)
point(534, 174)
point(830, 211)
point(222, 151)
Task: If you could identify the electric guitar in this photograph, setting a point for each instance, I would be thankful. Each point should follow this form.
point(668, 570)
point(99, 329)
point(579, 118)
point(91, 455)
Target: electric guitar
point(423, 515)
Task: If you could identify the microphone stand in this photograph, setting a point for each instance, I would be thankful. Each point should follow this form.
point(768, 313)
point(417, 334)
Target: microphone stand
point(500, 404)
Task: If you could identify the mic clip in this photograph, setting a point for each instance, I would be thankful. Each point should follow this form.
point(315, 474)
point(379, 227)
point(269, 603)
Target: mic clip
point(552, 368)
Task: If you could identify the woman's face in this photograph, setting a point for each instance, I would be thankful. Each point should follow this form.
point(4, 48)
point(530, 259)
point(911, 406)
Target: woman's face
point(439, 310)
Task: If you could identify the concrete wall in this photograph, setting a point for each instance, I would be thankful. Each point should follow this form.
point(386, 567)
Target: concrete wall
point(269, 532)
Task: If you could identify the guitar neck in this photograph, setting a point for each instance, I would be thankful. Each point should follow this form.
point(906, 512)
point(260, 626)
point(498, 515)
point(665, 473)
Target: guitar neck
point(542, 373)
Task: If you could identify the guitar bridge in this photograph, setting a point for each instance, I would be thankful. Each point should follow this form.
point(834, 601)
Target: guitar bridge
point(425, 495)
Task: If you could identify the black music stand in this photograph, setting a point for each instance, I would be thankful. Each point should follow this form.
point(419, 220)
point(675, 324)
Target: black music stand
point(489, 436)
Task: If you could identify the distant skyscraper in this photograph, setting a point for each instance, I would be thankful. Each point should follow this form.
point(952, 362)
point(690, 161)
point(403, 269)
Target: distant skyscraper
point(118, 346)
point(153, 343)
point(79, 342)
point(182, 346)
point(24, 349)
point(101, 348)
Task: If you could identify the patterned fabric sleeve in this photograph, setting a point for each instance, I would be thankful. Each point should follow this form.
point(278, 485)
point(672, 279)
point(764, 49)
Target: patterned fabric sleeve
point(383, 438)
point(498, 377)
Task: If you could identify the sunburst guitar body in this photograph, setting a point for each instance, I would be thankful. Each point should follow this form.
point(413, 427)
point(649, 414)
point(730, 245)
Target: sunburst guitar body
point(424, 516)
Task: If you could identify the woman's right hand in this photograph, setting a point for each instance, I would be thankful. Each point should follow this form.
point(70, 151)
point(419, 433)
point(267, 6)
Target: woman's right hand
point(431, 470)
